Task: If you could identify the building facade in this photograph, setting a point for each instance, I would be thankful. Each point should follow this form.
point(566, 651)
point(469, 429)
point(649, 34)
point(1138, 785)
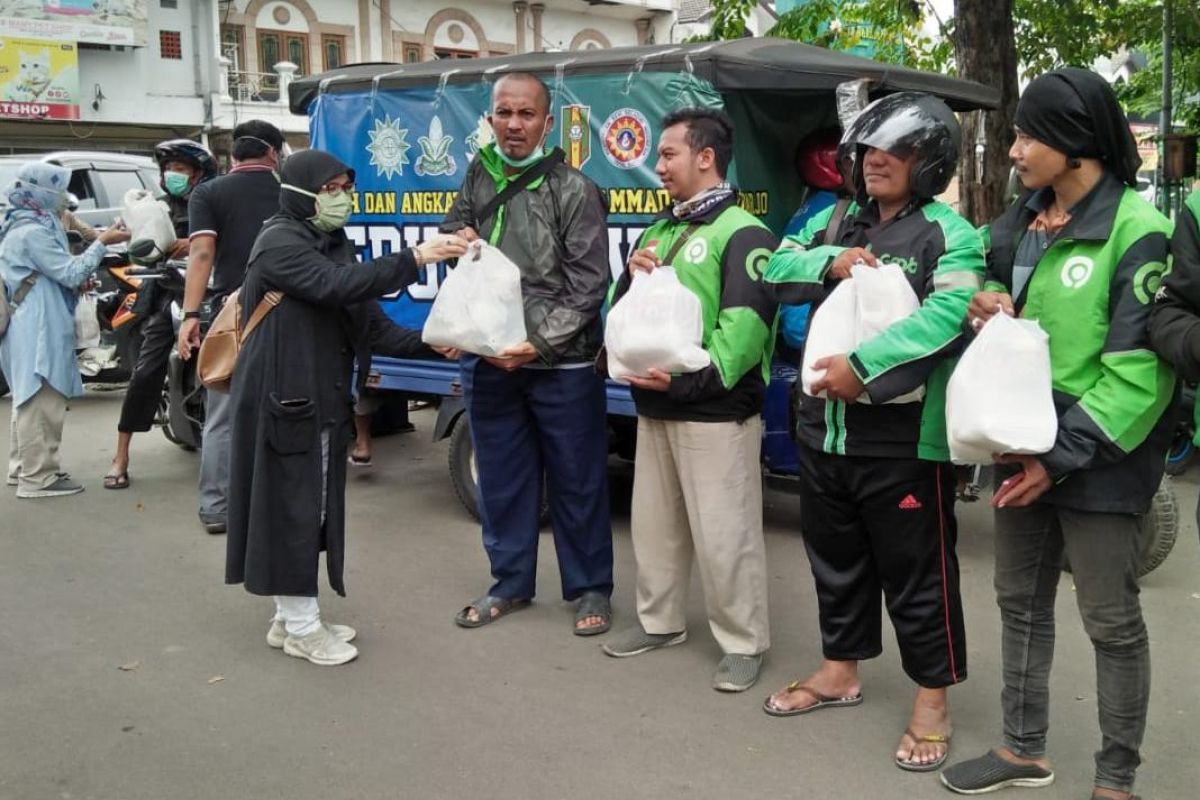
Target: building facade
point(124, 74)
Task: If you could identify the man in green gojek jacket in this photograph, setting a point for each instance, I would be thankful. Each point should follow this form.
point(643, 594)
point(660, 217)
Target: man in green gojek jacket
point(697, 485)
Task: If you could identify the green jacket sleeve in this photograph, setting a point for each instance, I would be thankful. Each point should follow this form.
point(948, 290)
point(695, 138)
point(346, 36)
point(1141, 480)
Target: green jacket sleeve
point(745, 324)
point(797, 271)
point(901, 358)
point(1135, 387)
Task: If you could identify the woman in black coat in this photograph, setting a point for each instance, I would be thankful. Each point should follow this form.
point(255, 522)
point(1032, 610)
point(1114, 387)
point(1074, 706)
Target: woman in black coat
point(291, 394)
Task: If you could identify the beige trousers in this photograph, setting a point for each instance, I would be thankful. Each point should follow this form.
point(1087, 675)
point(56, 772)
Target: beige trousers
point(34, 437)
point(697, 490)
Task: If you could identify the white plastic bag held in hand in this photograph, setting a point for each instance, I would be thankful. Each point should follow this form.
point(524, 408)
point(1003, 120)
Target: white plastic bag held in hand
point(478, 308)
point(657, 324)
point(1000, 397)
point(148, 218)
point(87, 324)
point(859, 308)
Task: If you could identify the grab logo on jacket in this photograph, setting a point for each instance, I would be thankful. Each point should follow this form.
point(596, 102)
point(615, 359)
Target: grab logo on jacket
point(1077, 271)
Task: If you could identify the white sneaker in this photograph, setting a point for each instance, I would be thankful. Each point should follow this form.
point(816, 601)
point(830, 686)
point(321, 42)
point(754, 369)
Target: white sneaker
point(320, 647)
point(277, 633)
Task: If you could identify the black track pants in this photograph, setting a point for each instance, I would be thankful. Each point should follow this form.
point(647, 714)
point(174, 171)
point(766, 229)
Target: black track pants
point(885, 524)
point(146, 380)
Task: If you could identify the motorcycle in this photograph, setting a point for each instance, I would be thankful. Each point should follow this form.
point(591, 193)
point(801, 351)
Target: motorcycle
point(1183, 450)
point(181, 406)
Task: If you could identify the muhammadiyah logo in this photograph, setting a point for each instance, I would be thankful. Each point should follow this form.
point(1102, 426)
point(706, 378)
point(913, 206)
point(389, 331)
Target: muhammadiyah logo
point(626, 136)
point(1077, 271)
point(576, 134)
point(435, 156)
point(388, 147)
point(1147, 281)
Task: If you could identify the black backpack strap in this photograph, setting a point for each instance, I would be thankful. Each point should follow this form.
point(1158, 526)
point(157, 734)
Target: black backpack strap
point(522, 182)
point(680, 242)
point(835, 222)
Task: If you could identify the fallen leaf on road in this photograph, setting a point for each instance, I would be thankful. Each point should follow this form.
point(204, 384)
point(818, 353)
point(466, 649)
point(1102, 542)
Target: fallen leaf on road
point(215, 679)
point(141, 507)
point(130, 667)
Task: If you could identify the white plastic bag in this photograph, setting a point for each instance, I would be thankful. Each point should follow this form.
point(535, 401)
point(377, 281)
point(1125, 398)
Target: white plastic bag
point(478, 308)
point(1000, 397)
point(87, 324)
point(148, 218)
point(858, 309)
point(657, 324)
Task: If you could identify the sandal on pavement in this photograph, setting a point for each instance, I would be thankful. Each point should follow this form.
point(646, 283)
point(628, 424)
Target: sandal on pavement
point(823, 701)
point(359, 461)
point(593, 604)
point(483, 608)
point(924, 766)
point(989, 772)
point(118, 481)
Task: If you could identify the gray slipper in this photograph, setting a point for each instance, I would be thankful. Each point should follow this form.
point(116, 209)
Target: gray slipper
point(593, 604)
point(989, 773)
point(483, 609)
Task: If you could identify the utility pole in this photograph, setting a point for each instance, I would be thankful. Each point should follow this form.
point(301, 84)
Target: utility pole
point(1164, 120)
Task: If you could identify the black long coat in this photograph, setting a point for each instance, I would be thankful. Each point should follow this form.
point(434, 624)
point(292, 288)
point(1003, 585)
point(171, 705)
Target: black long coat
point(293, 382)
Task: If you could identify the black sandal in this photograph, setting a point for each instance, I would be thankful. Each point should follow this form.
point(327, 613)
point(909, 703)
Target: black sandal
point(593, 604)
point(119, 481)
point(483, 609)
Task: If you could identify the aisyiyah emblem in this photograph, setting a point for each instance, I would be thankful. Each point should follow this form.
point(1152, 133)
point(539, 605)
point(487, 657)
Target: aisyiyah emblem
point(626, 135)
point(388, 147)
point(576, 122)
point(435, 158)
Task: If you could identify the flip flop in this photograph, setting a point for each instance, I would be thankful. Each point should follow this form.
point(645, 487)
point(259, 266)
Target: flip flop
point(928, 766)
point(483, 608)
point(359, 461)
point(119, 481)
point(593, 604)
point(823, 701)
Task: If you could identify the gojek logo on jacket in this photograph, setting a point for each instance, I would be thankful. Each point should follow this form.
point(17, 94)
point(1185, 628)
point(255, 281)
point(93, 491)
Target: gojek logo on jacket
point(1077, 271)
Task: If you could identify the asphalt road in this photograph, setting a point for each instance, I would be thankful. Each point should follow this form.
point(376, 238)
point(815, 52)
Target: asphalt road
point(129, 670)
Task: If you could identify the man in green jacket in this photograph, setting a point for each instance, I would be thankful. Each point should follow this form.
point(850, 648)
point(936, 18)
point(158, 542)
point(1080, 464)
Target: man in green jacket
point(1082, 254)
point(697, 485)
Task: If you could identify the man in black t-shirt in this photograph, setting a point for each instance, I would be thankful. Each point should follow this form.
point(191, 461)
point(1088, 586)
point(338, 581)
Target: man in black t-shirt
point(225, 220)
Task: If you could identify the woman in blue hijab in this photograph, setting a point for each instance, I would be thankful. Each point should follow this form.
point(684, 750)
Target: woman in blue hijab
point(37, 354)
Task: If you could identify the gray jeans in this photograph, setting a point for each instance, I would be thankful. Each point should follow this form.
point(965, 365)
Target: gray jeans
point(214, 456)
point(1102, 551)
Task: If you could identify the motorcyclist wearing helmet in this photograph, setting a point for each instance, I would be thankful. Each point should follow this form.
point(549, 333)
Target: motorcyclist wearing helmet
point(877, 492)
point(183, 165)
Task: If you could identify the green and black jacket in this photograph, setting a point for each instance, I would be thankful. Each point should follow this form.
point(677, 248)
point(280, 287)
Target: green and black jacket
point(1175, 319)
point(722, 262)
point(1092, 291)
point(942, 255)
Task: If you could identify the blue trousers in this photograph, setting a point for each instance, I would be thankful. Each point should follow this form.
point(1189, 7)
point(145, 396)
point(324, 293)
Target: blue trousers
point(526, 424)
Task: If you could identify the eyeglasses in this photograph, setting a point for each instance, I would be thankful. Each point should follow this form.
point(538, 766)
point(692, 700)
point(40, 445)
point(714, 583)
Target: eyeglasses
point(334, 188)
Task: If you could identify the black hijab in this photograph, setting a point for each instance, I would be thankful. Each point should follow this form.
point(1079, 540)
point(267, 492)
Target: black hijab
point(1076, 112)
point(308, 170)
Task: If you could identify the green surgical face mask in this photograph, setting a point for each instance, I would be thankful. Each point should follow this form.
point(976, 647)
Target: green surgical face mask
point(333, 209)
point(535, 156)
point(177, 183)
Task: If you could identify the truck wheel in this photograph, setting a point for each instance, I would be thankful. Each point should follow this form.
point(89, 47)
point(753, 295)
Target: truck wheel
point(463, 473)
point(1157, 530)
point(465, 476)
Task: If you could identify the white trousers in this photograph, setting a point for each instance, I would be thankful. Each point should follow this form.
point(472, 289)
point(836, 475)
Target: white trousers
point(300, 615)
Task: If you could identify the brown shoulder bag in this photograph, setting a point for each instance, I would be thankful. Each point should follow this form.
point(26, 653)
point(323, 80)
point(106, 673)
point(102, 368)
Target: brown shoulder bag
point(219, 350)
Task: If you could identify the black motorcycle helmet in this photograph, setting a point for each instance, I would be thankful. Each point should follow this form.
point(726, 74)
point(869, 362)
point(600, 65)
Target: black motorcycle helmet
point(189, 152)
point(903, 124)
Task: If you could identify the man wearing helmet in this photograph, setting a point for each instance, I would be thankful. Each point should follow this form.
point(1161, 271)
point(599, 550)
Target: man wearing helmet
point(183, 165)
point(877, 509)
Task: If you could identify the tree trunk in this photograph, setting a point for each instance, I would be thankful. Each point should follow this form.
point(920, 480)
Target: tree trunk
point(986, 52)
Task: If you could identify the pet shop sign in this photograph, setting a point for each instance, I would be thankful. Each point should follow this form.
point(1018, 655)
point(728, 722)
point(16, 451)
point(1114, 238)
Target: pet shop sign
point(39, 79)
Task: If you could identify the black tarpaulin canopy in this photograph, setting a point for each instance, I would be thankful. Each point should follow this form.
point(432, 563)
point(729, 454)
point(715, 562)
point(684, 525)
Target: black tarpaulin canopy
point(776, 65)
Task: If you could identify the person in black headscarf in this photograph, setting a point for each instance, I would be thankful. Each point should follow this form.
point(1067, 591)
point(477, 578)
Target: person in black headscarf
point(1083, 254)
point(291, 397)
